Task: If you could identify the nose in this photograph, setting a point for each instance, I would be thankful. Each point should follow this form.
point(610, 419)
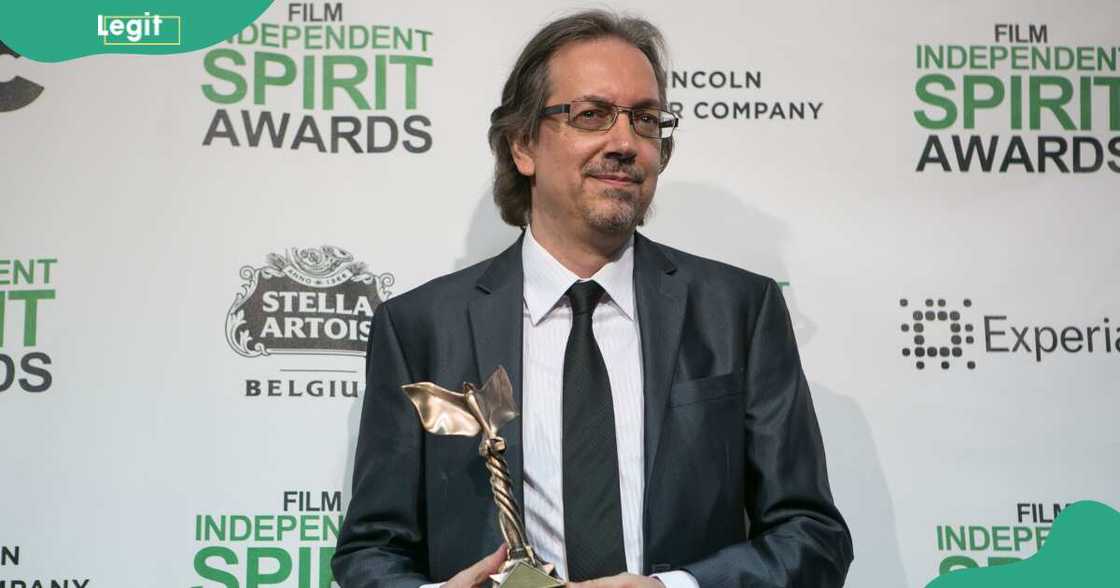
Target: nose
point(621, 140)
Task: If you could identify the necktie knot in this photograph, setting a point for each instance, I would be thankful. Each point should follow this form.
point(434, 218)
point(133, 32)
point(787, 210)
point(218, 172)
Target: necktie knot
point(584, 296)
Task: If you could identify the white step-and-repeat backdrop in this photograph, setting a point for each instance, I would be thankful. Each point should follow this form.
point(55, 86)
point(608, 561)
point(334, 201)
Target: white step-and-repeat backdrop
point(191, 246)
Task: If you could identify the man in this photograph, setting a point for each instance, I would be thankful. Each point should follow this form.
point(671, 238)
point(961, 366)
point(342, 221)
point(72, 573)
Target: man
point(667, 434)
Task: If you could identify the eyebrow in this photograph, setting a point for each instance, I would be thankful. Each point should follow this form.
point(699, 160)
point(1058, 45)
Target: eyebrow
point(647, 103)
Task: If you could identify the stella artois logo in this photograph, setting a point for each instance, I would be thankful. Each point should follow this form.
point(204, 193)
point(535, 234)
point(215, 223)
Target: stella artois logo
point(316, 301)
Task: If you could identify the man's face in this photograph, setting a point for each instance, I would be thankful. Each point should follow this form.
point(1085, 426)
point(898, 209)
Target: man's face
point(587, 182)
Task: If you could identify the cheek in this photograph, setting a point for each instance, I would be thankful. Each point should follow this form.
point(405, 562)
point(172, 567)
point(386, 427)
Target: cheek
point(560, 172)
point(651, 155)
point(564, 160)
point(652, 166)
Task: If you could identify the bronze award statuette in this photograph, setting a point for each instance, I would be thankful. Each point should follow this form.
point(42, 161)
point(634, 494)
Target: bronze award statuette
point(474, 411)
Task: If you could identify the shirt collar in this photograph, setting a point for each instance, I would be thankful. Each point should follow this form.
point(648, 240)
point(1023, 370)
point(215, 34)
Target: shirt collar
point(547, 280)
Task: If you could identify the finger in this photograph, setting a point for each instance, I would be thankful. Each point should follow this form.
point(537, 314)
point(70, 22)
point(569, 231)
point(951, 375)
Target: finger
point(480, 572)
point(489, 565)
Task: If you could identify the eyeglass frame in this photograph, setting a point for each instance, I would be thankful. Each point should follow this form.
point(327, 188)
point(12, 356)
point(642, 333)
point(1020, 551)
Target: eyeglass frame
point(566, 108)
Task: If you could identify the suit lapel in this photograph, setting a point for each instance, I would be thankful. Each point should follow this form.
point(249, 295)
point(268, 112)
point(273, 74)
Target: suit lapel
point(661, 297)
point(496, 324)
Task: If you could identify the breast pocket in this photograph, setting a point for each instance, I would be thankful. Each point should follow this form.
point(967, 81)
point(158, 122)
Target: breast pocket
point(707, 389)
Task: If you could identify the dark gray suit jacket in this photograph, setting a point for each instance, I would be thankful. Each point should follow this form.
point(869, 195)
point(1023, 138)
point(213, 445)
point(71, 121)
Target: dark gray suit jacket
point(736, 489)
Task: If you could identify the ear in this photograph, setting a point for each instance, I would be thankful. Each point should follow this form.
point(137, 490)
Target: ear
point(523, 156)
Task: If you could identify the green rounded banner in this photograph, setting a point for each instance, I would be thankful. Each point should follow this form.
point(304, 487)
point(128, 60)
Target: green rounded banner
point(44, 31)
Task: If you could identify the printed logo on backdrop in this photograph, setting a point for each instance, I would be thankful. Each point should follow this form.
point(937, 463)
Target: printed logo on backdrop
point(320, 81)
point(289, 547)
point(17, 92)
point(1018, 102)
point(939, 334)
point(26, 285)
point(976, 544)
point(10, 558)
point(948, 333)
point(306, 303)
point(718, 94)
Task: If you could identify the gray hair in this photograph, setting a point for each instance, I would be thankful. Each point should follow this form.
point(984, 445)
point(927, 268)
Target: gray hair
point(525, 92)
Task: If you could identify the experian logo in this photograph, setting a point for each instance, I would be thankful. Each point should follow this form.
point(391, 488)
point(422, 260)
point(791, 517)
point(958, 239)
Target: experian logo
point(149, 29)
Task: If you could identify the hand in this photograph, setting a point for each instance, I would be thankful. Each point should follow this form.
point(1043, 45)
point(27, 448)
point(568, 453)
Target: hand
point(479, 574)
point(619, 581)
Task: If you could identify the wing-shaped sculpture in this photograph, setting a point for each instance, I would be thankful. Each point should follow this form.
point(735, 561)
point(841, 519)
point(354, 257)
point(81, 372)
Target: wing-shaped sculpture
point(485, 410)
point(495, 399)
point(442, 411)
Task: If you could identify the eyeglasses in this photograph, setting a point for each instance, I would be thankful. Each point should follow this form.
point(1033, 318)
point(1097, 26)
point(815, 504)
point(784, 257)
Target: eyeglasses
point(591, 115)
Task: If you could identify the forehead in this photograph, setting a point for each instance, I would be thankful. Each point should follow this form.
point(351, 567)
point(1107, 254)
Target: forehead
point(608, 68)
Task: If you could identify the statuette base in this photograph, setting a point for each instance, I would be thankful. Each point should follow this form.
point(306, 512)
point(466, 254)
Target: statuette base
point(523, 574)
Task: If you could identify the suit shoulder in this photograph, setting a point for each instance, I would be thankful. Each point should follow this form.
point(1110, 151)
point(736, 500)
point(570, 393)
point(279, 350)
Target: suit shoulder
point(438, 293)
point(712, 272)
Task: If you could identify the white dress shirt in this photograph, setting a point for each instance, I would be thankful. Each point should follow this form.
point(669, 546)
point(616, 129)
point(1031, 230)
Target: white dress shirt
point(546, 323)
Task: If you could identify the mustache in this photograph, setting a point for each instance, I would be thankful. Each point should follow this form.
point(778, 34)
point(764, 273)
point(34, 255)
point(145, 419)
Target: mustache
point(633, 173)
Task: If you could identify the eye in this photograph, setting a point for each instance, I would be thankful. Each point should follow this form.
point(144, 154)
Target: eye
point(593, 113)
point(646, 117)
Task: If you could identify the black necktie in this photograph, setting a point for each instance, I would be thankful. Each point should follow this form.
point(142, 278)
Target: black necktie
point(592, 502)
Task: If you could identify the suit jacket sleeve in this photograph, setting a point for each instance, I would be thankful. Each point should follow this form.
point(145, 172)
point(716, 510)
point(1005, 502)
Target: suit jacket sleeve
point(797, 536)
point(381, 543)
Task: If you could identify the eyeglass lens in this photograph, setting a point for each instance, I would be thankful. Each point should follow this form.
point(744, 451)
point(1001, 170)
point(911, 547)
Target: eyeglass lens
point(598, 116)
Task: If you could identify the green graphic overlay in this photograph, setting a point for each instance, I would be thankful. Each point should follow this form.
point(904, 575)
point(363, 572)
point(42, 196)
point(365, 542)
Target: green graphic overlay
point(44, 31)
point(1080, 550)
point(145, 29)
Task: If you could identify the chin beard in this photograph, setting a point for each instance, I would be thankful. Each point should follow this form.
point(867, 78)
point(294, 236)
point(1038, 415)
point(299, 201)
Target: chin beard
point(625, 213)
